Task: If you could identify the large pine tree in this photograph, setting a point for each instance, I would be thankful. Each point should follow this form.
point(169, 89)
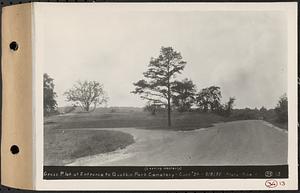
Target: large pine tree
point(158, 79)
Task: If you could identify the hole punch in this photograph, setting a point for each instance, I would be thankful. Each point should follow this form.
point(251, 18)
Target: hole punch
point(14, 149)
point(14, 46)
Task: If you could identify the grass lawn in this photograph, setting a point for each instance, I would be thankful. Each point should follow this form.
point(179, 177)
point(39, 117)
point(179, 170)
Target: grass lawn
point(180, 121)
point(63, 146)
point(278, 124)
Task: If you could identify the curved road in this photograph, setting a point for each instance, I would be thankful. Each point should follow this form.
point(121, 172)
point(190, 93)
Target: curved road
point(250, 142)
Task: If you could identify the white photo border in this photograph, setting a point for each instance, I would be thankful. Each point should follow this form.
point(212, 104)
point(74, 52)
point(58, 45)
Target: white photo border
point(171, 184)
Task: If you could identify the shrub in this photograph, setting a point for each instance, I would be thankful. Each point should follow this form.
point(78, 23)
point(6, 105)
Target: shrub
point(282, 109)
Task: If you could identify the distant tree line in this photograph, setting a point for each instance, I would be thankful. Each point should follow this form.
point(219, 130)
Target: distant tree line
point(185, 98)
point(161, 90)
point(277, 115)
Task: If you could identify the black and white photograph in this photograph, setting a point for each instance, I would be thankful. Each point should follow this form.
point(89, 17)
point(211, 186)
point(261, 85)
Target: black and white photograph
point(160, 87)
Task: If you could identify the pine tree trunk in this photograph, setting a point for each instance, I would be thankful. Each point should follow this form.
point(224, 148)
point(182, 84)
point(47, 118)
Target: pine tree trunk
point(169, 112)
point(87, 107)
point(169, 102)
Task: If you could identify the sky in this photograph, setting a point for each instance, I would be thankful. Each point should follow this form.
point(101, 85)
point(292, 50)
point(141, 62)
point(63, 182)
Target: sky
point(243, 52)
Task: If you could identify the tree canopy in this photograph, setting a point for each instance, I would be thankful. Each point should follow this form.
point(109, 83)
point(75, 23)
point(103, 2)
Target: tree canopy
point(50, 104)
point(209, 99)
point(228, 107)
point(85, 94)
point(183, 94)
point(158, 79)
point(282, 109)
